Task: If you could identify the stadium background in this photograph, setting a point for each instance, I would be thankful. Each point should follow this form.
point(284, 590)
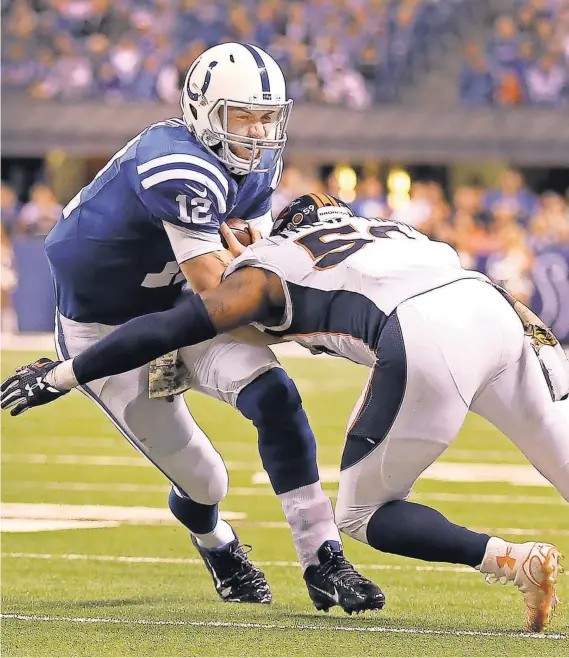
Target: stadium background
point(451, 115)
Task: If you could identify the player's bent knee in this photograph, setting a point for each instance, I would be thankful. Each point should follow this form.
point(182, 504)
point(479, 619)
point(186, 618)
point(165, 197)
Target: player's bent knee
point(208, 484)
point(273, 394)
point(208, 491)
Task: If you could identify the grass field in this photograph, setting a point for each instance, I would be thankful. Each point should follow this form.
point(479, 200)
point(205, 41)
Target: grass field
point(127, 582)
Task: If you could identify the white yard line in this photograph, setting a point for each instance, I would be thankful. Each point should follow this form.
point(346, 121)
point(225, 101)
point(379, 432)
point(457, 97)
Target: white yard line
point(132, 559)
point(518, 474)
point(507, 456)
point(44, 517)
point(97, 460)
point(109, 487)
point(517, 532)
point(253, 492)
point(281, 627)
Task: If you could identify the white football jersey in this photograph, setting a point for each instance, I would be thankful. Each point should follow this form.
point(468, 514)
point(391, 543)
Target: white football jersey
point(343, 278)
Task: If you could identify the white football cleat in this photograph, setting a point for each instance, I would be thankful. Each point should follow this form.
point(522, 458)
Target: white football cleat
point(534, 568)
point(536, 577)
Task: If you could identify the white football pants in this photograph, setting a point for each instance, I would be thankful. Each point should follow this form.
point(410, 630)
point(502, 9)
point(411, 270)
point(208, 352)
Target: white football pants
point(165, 432)
point(456, 348)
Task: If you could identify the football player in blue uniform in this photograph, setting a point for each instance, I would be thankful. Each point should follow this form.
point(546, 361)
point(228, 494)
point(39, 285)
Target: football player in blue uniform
point(124, 247)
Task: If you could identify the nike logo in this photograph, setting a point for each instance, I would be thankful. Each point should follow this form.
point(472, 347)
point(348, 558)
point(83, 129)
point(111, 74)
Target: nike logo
point(202, 193)
point(334, 597)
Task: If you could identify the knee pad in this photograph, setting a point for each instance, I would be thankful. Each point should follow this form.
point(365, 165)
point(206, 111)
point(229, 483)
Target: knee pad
point(271, 395)
point(203, 482)
point(286, 442)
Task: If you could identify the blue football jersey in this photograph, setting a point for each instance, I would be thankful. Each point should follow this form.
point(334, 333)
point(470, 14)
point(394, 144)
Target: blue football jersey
point(109, 253)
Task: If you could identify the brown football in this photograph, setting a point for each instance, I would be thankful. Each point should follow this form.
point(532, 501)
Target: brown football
point(240, 230)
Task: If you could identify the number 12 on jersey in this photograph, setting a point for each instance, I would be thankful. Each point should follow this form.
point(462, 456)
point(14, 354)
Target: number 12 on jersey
point(200, 213)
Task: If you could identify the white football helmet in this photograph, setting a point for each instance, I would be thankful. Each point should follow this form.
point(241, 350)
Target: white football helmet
point(236, 75)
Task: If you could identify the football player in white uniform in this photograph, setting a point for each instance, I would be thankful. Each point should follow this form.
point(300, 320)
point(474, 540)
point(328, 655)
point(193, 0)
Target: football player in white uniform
point(439, 340)
point(125, 246)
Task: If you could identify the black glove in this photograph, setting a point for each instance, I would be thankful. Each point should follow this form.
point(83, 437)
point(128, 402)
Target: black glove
point(27, 388)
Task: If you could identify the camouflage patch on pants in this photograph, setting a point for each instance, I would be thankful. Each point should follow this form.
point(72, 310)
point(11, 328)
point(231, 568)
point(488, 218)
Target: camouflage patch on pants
point(168, 376)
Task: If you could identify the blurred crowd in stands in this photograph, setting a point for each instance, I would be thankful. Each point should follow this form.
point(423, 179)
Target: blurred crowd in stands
point(524, 62)
point(349, 52)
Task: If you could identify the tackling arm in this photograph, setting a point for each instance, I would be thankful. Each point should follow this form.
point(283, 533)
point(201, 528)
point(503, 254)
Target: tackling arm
point(247, 295)
point(250, 294)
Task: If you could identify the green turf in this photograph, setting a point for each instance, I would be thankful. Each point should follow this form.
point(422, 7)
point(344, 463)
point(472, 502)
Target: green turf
point(426, 610)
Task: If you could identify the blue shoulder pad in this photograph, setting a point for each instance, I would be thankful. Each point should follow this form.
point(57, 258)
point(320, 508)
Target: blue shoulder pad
point(180, 182)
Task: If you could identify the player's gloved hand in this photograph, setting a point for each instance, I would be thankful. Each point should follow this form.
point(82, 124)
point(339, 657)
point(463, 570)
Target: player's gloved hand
point(28, 388)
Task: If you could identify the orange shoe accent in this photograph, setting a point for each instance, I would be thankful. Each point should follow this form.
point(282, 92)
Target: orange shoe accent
point(506, 560)
point(542, 568)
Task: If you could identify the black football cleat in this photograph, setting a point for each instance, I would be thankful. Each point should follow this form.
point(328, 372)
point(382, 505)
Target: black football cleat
point(336, 582)
point(236, 578)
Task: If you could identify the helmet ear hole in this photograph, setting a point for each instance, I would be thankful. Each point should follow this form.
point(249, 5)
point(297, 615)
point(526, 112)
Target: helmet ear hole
point(194, 112)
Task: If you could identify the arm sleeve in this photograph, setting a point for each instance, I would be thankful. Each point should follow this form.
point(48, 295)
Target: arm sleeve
point(142, 339)
point(187, 244)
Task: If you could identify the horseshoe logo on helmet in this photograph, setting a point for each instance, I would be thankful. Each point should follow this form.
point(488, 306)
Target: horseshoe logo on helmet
point(194, 96)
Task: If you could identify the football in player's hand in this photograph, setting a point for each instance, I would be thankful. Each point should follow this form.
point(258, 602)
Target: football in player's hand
point(240, 229)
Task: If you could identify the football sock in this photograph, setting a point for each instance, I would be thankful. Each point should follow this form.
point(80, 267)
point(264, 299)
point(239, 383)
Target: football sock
point(501, 557)
point(413, 530)
point(309, 513)
point(218, 538)
point(201, 520)
point(288, 451)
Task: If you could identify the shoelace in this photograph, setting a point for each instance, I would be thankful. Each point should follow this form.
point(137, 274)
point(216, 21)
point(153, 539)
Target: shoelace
point(247, 572)
point(343, 570)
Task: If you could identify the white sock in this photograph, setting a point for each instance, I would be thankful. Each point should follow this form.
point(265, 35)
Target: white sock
point(220, 536)
point(501, 558)
point(311, 518)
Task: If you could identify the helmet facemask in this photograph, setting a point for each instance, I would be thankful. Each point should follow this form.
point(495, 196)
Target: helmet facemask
point(251, 157)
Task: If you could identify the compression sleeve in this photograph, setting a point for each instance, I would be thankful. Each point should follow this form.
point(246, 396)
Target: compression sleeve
point(145, 338)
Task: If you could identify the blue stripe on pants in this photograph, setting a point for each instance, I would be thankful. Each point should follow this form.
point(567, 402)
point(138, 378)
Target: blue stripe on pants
point(384, 396)
point(97, 400)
